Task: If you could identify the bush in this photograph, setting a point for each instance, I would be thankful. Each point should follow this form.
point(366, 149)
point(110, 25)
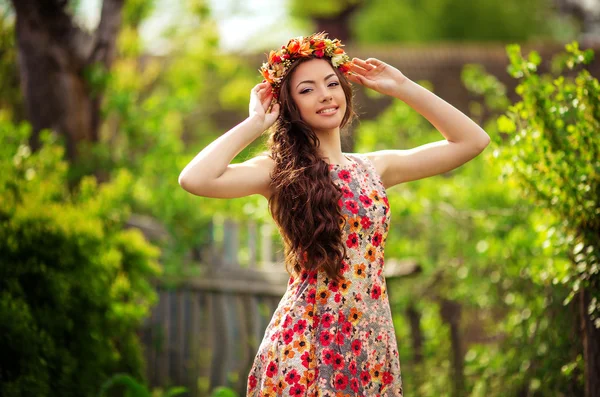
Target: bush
point(74, 284)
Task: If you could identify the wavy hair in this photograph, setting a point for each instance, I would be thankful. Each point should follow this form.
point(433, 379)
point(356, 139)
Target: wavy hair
point(304, 204)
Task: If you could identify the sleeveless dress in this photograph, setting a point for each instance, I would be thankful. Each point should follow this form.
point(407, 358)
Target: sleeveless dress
point(337, 339)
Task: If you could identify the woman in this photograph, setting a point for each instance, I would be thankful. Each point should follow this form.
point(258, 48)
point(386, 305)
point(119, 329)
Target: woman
point(332, 333)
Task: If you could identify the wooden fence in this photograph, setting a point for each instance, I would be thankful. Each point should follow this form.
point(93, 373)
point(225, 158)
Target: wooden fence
point(206, 329)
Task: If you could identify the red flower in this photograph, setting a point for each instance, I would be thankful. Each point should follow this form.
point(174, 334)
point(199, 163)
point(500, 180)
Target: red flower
point(367, 202)
point(352, 241)
point(300, 326)
point(345, 175)
point(312, 295)
point(345, 68)
point(327, 356)
point(339, 338)
point(387, 378)
point(306, 359)
point(376, 240)
point(288, 336)
point(271, 369)
point(352, 206)
point(252, 381)
point(341, 381)
point(352, 367)
point(356, 346)
point(347, 192)
point(325, 338)
point(327, 318)
point(365, 377)
point(347, 328)
point(354, 384)
point(338, 361)
point(376, 292)
point(365, 222)
point(292, 377)
point(319, 53)
point(297, 390)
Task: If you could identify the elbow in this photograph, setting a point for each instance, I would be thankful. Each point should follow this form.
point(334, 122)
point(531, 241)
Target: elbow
point(185, 183)
point(483, 142)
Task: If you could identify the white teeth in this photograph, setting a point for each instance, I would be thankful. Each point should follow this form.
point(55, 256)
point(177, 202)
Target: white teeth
point(328, 110)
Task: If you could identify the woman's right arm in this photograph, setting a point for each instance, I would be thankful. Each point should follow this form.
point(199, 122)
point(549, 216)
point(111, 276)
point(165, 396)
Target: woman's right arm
point(210, 173)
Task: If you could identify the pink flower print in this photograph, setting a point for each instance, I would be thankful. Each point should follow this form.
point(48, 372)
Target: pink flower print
point(366, 222)
point(367, 202)
point(352, 241)
point(352, 206)
point(345, 175)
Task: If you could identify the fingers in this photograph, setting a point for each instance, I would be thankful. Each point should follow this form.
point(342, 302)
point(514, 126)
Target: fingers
point(369, 64)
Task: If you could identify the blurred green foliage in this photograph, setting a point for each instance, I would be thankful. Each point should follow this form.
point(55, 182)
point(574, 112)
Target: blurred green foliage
point(74, 283)
point(388, 21)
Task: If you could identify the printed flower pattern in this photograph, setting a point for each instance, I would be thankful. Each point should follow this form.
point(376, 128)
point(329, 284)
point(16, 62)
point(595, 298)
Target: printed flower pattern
point(337, 339)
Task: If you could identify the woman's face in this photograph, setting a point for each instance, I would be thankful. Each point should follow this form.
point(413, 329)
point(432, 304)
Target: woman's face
point(319, 97)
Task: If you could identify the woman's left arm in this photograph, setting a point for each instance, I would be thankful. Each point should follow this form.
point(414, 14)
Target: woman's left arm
point(464, 138)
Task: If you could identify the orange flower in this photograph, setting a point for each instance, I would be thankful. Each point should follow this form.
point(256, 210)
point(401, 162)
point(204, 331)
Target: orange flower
point(355, 225)
point(355, 315)
point(345, 286)
point(370, 253)
point(359, 270)
point(323, 295)
point(293, 46)
point(300, 345)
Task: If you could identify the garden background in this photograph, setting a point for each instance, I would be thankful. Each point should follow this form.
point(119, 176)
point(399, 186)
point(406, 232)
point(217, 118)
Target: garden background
point(102, 104)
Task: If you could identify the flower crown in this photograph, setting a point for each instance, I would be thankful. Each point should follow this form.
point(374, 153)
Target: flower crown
point(316, 45)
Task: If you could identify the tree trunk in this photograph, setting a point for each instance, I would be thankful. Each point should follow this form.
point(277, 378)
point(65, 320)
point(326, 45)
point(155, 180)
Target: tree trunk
point(416, 334)
point(53, 54)
point(591, 347)
point(450, 312)
point(337, 26)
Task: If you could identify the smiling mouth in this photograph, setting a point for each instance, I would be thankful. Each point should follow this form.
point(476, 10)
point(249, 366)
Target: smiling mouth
point(326, 111)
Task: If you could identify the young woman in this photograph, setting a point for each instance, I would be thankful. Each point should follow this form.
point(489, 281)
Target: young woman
point(332, 333)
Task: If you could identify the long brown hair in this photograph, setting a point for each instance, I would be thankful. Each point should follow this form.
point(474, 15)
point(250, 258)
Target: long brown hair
point(304, 204)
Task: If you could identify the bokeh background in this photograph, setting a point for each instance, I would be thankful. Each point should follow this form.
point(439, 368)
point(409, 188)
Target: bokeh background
point(115, 281)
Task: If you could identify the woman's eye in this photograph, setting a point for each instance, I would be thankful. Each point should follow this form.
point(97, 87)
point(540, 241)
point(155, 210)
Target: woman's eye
point(333, 84)
point(305, 90)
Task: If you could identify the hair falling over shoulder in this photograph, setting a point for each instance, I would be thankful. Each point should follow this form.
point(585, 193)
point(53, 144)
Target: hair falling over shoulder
point(305, 200)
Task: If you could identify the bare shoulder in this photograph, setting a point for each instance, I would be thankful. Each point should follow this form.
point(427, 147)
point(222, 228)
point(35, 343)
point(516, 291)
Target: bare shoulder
point(377, 159)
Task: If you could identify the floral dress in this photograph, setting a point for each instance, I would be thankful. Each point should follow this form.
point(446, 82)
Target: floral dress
point(337, 339)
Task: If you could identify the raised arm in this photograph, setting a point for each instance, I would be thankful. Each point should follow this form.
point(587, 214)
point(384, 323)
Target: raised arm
point(464, 138)
point(210, 173)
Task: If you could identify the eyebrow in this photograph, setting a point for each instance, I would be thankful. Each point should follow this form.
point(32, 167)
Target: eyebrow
point(313, 82)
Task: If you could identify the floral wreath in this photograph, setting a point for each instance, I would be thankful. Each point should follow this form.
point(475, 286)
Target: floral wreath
point(316, 45)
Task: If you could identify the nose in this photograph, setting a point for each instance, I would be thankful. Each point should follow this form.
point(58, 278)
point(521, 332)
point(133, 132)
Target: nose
point(326, 96)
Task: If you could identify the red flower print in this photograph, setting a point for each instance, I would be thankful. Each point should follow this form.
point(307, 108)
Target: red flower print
point(312, 295)
point(327, 318)
point(366, 222)
point(333, 286)
point(367, 202)
point(386, 201)
point(387, 378)
point(356, 346)
point(288, 321)
point(338, 361)
point(288, 336)
point(376, 239)
point(352, 367)
point(375, 291)
point(345, 175)
point(341, 381)
point(352, 241)
point(354, 385)
point(327, 356)
point(339, 338)
point(347, 328)
point(347, 192)
point(340, 204)
point(325, 338)
point(352, 206)
point(300, 326)
point(306, 359)
point(252, 381)
point(297, 390)
point(337, 298)
point(292, 377)
point(271, 369)
point(365, 377)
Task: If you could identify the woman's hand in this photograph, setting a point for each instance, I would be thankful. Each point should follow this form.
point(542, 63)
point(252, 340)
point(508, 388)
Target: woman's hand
point(377, 75)
point(262, 107)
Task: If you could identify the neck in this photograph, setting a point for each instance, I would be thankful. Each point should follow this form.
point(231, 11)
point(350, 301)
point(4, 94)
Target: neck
point(330, 147)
